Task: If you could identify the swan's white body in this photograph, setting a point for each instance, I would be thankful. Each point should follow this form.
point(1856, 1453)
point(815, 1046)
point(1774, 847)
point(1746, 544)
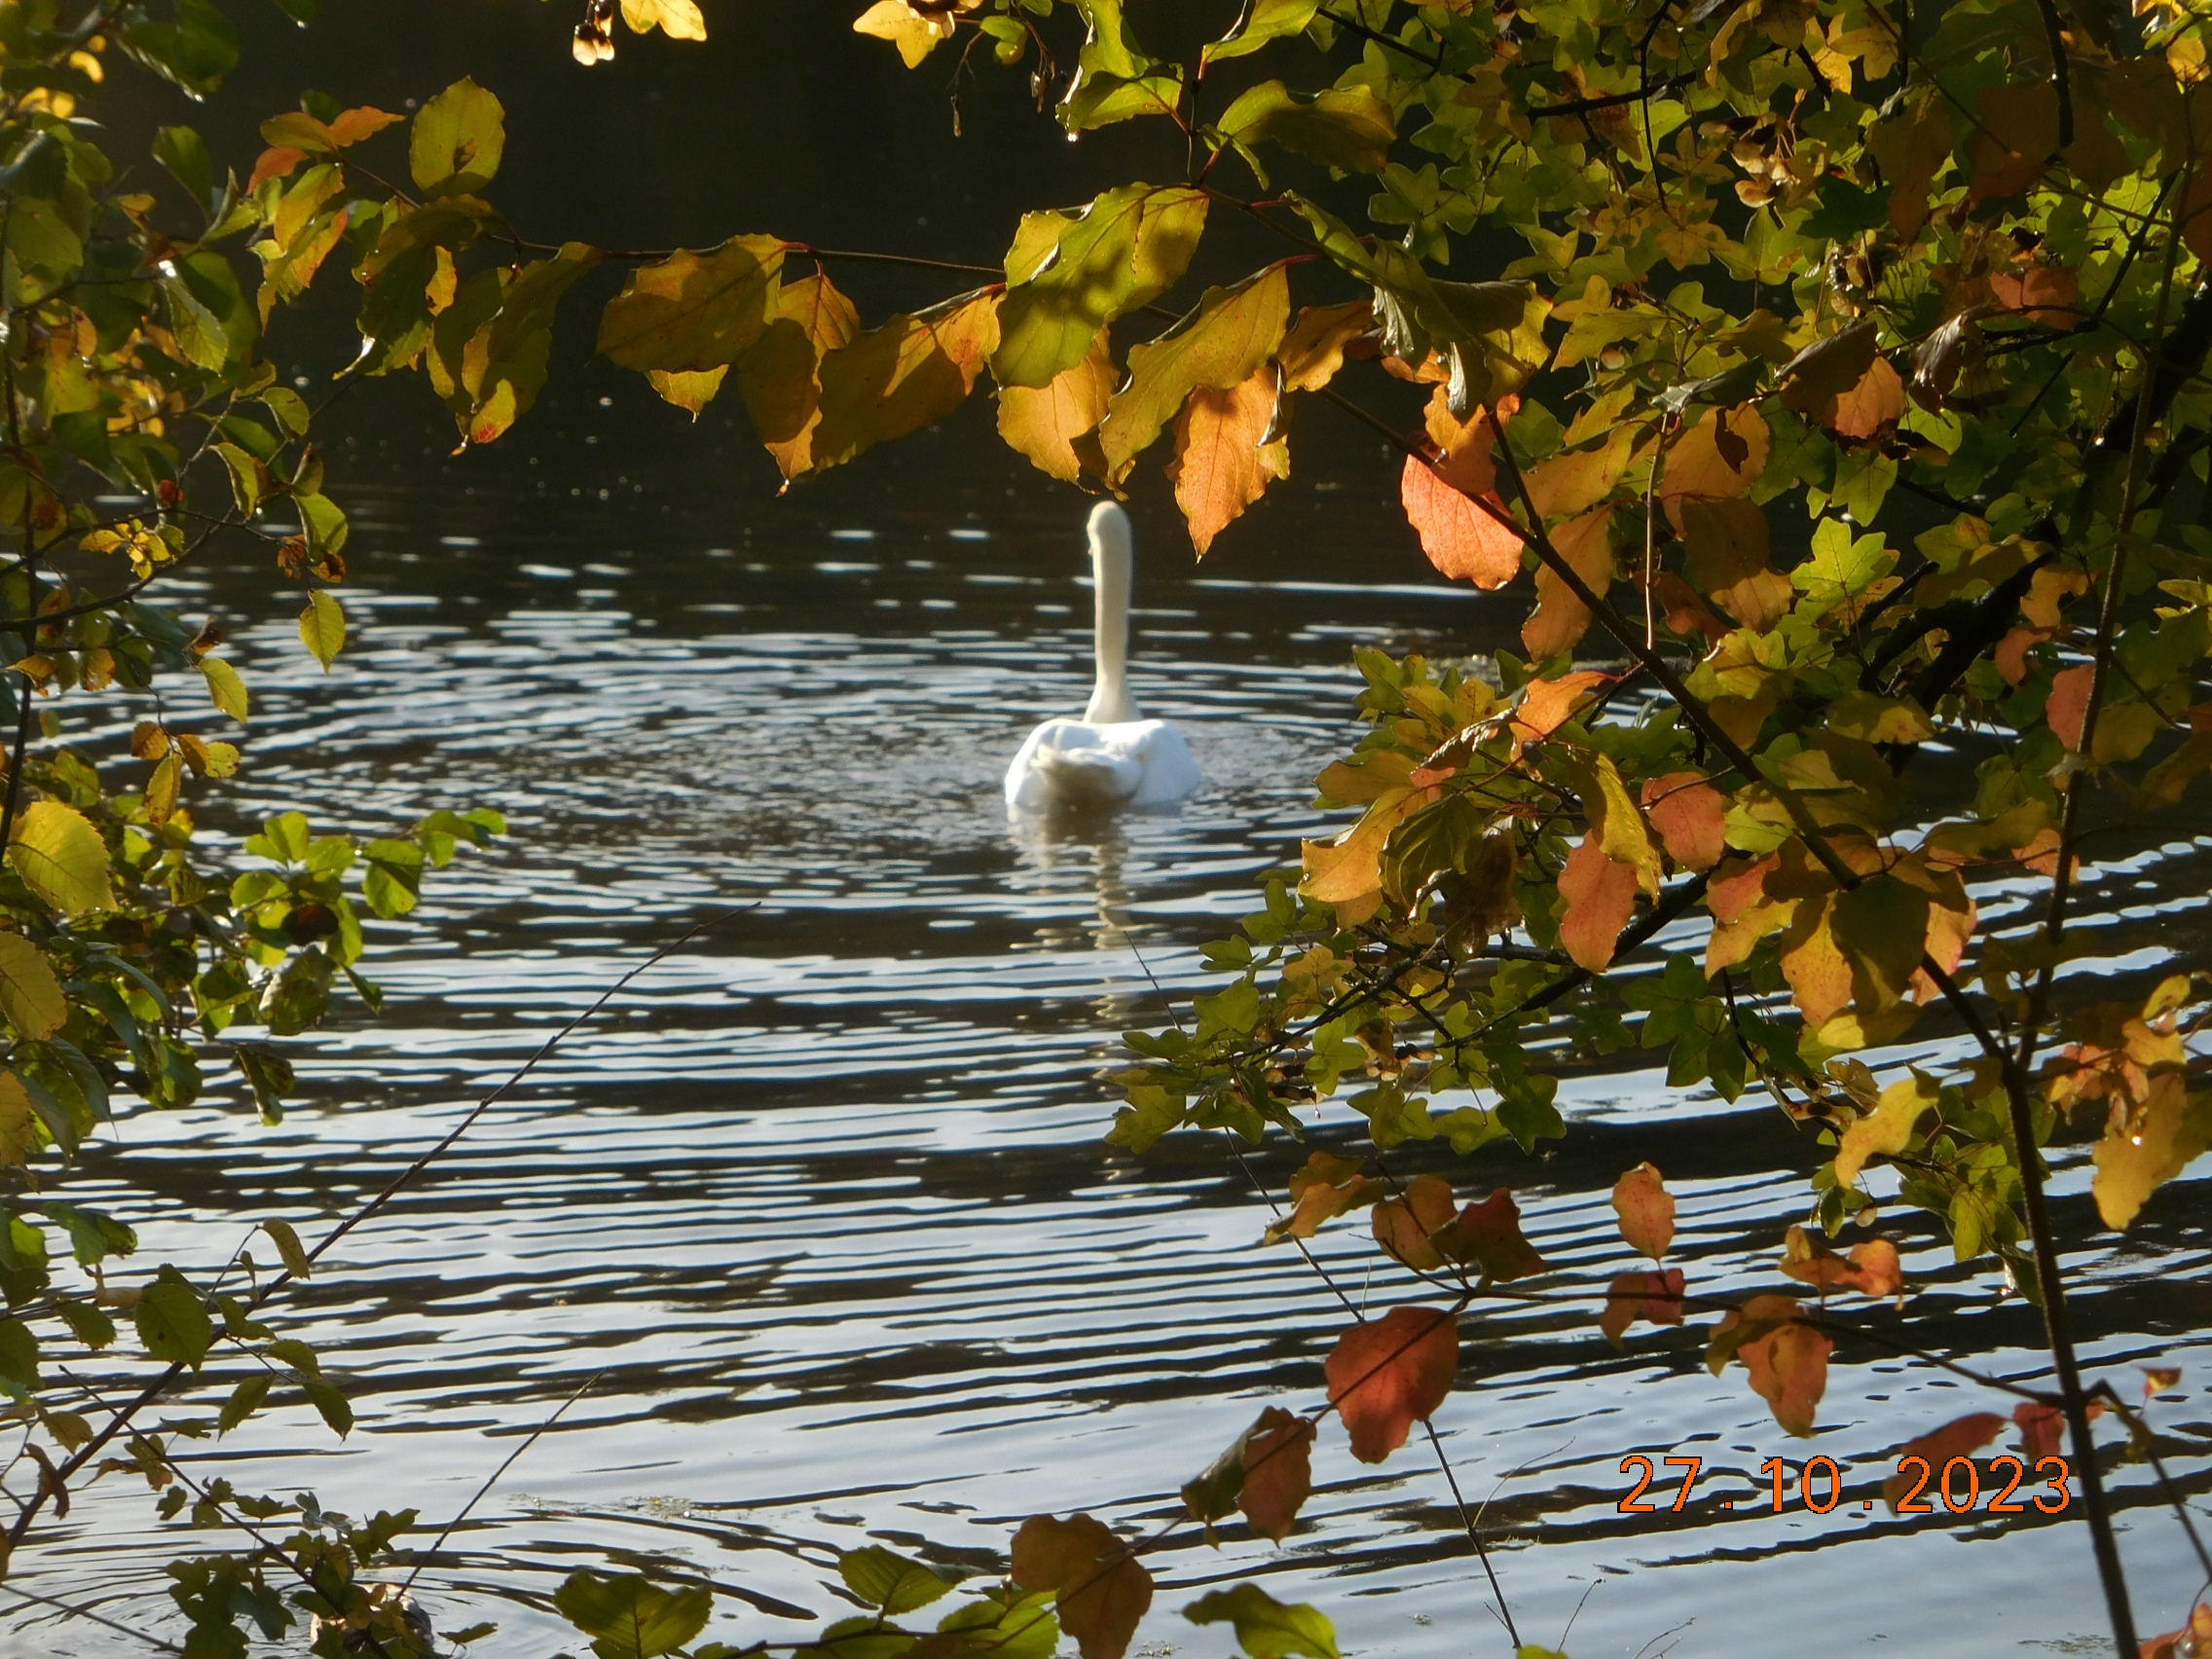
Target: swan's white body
point(1112, 757)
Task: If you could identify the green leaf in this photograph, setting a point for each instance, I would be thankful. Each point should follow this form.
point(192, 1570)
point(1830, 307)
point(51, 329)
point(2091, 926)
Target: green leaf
point(322, 630)
point(1347, 128)
point(61, 858)
point(1266, 1628)
point(693, 312)
point(31, 996)
point(172, 1320)
point(629, 1617)
point(888, 1581)
point(195, 49)
point(287, 1240)
point(184, 153)
point(1267, 20)
point(331, 1405)
point(226, 688)
point(1125, 250)
point(19, 1359)
point(455, 145)
point(1232, 333)
point(245, 1399)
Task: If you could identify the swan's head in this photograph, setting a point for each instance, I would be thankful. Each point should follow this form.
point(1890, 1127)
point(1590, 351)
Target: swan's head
point(1108, 529)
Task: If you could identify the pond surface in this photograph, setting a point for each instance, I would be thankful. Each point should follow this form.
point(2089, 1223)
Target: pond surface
point(816, 1215)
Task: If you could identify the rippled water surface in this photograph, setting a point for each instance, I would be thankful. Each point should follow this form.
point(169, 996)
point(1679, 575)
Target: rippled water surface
point(816, 1215)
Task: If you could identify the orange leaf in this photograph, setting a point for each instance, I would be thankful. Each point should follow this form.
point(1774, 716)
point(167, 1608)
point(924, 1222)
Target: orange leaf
point(1691, 816)
point(1385, 1375)
point(1546, 705)
point(1460, 539)
point(1961, 1438)
point(1327, 1186)
point(1876, 402)
point(1873, 1267)
point(2068, 710)
point(1600, 896)
point(1655, 1296)
point(1221, 465)
point(2042, 1428)
point(1279, 1472)
point(2047, 294)
point(1402, 1227)
point(1787, 1359)
point(1647, 1210)
point(1314, 349)
point(1489, 1234)
point(1725, 559)
point(1044, 422)
point(778, 377)
point(1561, 619)
point(1103, 1589)
point(276, 161)
point(1720, 457)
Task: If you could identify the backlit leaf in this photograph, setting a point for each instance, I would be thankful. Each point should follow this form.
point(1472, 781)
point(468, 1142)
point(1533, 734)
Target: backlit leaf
point(680, 19)
point(172, 1320)
point(1788, 1358)
point(890, 1581)
point(322, 628)
point(1690, 815)
point(1347, 128)
point(1402, 1225)
point(1103, 1589)
point(31, 996)
point(2147, 1144)
point(1385, 1375)
point(1327, 1186)
point(1225, 342)
point(906, 375)
point(1872, 1267)
point(1221, 465)
point(1487, 1234)
point(630, 1617)
point(1044, 422)
point(1314, 348)
point(61, 858)
point(1279, 1472)
point(225, 687)
point(914, 33)
point(1653, 1296)
point(454, 146)
point(780, 377)
point(1263, 21)
point(1122, 251)
point(1646, 1211)
point(692, 312)
point(1600, 894)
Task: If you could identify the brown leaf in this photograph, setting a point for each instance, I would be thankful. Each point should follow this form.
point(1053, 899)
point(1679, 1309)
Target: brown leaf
point(1691, 816)
point(1328, 1185)
point(2046, 294)
point(2015, 137)
point(1044, 422)
point(1103, 1589)
point(1402, 1227)
point(1489, 1234)
point(1279, 1472)
point(1960, 1438)
point(1787, 1359)
point(1385, 1375)
point(1220, 465)
point(1875, 404)
point(1600, 896)
point(1653, 1296)
point(1647, 1210)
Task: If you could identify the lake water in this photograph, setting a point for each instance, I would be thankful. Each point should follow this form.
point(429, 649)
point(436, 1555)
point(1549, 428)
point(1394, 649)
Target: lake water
point(819, 1207)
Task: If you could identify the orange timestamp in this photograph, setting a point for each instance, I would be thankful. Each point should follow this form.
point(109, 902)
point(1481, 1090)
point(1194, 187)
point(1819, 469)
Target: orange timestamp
point(2011, 1485)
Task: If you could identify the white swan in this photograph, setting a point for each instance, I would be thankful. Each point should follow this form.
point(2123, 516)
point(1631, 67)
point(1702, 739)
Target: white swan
point(1112, 757)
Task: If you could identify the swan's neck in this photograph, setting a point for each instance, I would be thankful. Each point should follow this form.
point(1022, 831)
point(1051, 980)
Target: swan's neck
point(1110, 700)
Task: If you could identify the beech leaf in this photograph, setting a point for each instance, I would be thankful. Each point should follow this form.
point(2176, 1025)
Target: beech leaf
point(31, 996)
point(1962, 1437)
point(1402, 1227)
point(1385, 1375)
point(1220, 465)
point(1489, 1234)
point(1044, 422)
point(910, 373)
point(1788, 1358)
point(1070, 276)
point(1102, 1589)
point(61, 858)
point(1653, 1296)
point(692, 312)
point(1226, 342)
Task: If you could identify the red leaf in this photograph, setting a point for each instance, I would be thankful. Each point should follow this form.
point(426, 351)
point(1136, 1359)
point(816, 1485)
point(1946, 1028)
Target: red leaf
point(1655, 1296)
point(1279, 1472)
point(1460, 539)
point(1600, 896)
point(1691, 816)
point(1961, 1438)
point(1103, 1589)
point(2068, 710)
point(1646, 1211)
point(2042, 1428)
point(1387, 1373)
point(1489, 1234)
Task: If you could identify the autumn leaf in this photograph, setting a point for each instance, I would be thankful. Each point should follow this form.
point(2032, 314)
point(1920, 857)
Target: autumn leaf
point(31, 996)
point(1402, 1225)
point(910, 373)
point(1463, 540)
point(691, 311)
point(1385, 1375)
point(1869, 407)
point(1872, 1267)
point(1266, 1628)
point(1314, 349)
point(1279, 1472)
point(1044, 422)
point(1655, 1296)
point(1546, 705)
point(1720, 456)
point(2197, 1636)
point(1788, 1358)
point(2015, 136)
point(1220, 465)
point(1070, 276)
point(779, 377)
point(62, 859)
point(1647, 1210)
point(914, 33)
point(2147, 1143)
point(1962, 1437)
point(1560, 618)
point(454, 146)
point(1600, 894)
point(678, 20)
point(1226, 342)
point(1325, 1187)
point(1691, 816)
point(1102, 1588)
point(1488, 1235)
point(1887, 1131)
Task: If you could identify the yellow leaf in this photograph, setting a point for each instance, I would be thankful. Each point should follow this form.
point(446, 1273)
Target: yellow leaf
point(322, 628)
point(915, 34)
point(31, 996)
point(1886, 1130)
point(1232, 333)
point(18, 1122)
point(694, 312)
point(2148, 1145)
point(226, 688)
point(689, 389)
point(910, 373)
point(680, 19)
point(61, 858)
point(1044, 422)
point(780, 377)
